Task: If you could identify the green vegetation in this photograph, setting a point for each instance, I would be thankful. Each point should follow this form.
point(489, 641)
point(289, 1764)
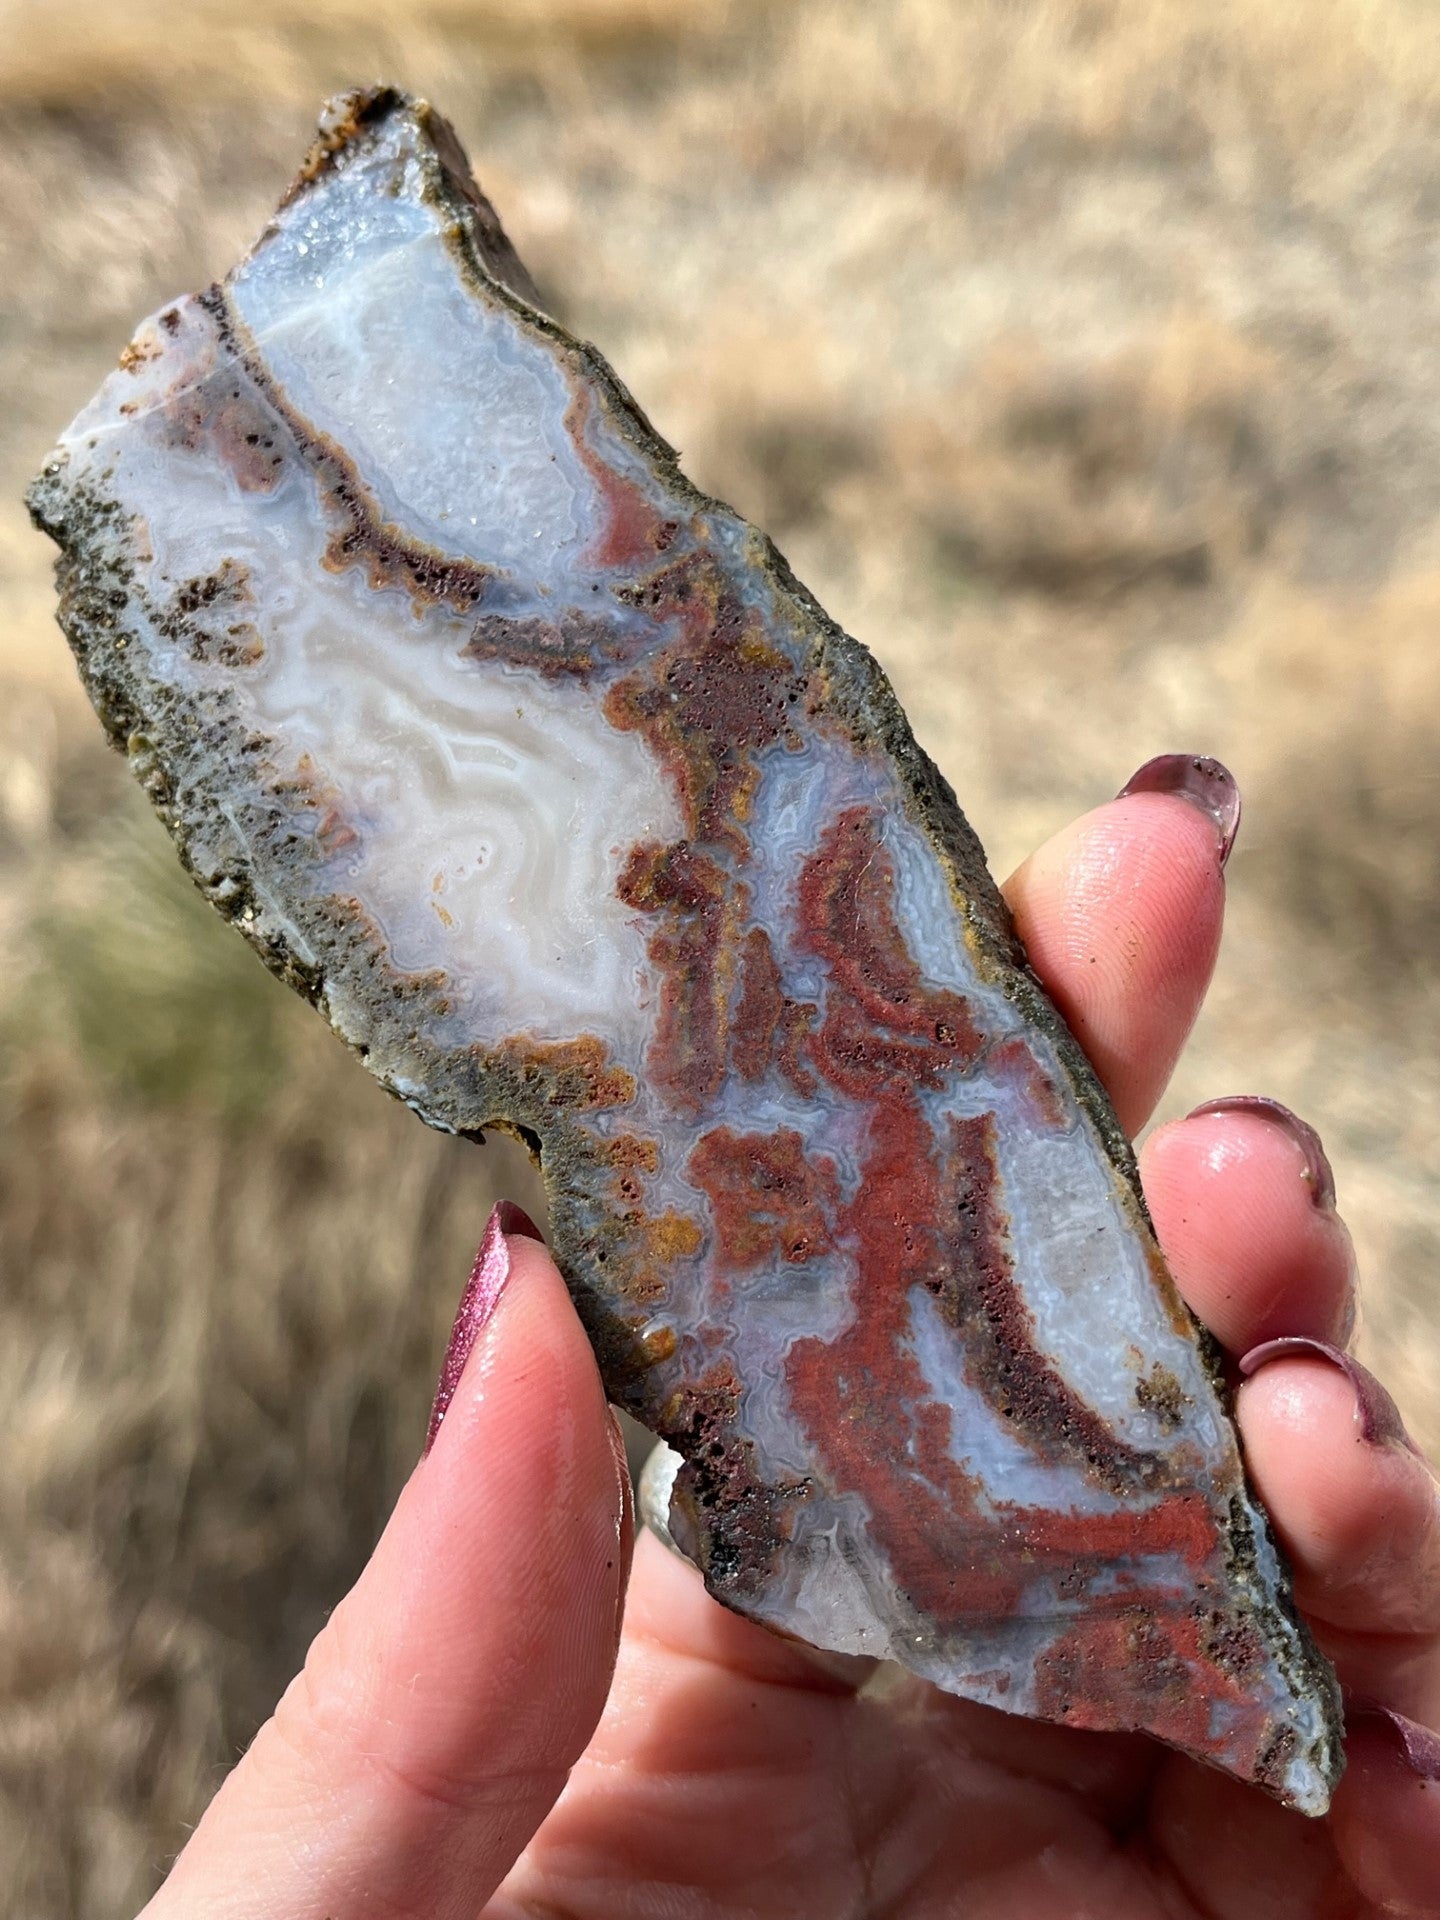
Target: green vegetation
point(142, 980)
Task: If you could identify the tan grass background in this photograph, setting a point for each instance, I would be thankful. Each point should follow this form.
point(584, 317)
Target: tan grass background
point(1080, 353)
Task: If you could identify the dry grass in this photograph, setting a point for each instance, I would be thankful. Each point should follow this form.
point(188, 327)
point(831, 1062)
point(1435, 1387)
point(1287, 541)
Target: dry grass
point(66, 52)
point(1080, 354)
point(216, 1345)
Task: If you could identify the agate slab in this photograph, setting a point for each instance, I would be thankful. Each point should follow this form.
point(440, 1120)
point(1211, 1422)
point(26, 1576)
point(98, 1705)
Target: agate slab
point(542, 777)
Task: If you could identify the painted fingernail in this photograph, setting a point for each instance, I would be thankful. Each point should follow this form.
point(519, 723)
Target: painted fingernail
point(1418, 1745)
point(1318, 1172)
point(1376, 1415)
point(625, 1525)
point(482, 1293)
point(515, 1222)
point(1195, 777)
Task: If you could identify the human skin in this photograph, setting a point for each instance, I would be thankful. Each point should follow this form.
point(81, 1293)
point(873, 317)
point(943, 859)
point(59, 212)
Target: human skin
point(473, 1734)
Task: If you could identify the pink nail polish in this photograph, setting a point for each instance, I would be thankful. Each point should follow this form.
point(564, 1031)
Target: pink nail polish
point(1318, 1171)
point(478, 1302)
point(1419, 1746)
point(1376, 1414)
point(1195, 777)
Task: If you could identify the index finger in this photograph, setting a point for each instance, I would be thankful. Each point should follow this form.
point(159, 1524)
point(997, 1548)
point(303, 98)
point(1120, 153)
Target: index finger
point(1121, 913)
point(441, 1709)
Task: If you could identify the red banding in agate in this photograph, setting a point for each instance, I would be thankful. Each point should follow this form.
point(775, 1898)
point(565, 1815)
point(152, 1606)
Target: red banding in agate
point(711, 700)
point(769, 1202)
point(633, 529)
point(692, 951)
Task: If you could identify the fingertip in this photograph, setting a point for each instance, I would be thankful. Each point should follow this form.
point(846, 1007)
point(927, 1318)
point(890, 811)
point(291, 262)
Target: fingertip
point(1386, 1814)
point(1121, 913)
point(1307, 1147)
point(1243, 1216)
point(1358, 1515)
point(485, 1622)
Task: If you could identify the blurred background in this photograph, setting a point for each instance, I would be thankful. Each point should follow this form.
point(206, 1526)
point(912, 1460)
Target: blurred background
point(1081, 356)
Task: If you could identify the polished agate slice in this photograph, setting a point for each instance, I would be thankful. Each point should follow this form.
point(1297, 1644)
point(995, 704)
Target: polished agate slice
point(542, 777)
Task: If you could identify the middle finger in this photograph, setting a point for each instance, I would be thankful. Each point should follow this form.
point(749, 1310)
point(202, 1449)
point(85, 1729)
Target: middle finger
point(1244, 1205)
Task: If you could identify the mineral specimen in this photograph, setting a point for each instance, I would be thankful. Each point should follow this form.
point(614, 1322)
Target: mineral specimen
point(543, 778)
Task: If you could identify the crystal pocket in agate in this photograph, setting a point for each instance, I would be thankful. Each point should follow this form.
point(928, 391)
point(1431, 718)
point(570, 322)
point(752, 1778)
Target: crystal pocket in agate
point(540, 775)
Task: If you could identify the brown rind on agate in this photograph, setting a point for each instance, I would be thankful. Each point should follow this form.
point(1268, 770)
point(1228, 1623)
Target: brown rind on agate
point(738, 696)
point(451, 181)
point(342, 123)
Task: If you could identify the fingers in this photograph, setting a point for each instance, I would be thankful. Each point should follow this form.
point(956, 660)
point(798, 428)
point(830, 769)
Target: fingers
point(716, 1757)
point(1242, 1198)
point(1121, 912)
point(442, 1707)
point(1356, 1509)
point(1243, 1202)
point(1121, 916)
point(1386, 1819)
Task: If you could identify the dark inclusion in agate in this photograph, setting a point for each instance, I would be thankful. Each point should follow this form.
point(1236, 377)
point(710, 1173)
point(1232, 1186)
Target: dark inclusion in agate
point(543, 778)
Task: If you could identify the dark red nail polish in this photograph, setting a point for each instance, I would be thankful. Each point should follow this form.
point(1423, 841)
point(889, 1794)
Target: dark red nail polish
point(515, 1220)
point(626, 1538)
point(1376, 1414)
point(1419, 1746)
point(1318, 1171)
point(1195, 777)
point(478, 1302)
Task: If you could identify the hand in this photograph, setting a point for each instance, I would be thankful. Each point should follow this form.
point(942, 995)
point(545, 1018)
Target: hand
point(464, 1702)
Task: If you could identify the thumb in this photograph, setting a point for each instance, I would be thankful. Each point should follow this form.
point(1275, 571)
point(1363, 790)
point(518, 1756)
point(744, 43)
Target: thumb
point(442, 1707)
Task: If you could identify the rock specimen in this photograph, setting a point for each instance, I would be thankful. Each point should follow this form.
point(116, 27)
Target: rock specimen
point(543, 778)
